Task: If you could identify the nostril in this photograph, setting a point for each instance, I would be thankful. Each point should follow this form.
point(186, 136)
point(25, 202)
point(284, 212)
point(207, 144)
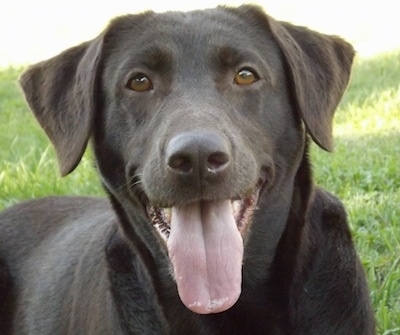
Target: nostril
point(180, 163)
point(217, 161)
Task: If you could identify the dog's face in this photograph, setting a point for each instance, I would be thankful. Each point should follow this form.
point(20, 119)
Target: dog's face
point(199, 112)
point(198, 118)
point(200, 123)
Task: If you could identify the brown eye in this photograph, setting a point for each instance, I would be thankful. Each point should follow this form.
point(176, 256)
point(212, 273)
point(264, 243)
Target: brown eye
point(140, 83)
point(246, 76)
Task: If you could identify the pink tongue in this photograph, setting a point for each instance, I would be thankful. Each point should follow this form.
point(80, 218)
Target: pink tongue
point(206, 251)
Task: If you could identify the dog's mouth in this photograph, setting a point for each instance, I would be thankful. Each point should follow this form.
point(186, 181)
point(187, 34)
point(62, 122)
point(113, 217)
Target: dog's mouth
point(242, 211)
point(205, 245)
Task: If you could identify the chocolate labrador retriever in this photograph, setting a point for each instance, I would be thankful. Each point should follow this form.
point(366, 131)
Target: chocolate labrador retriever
point(200, 124)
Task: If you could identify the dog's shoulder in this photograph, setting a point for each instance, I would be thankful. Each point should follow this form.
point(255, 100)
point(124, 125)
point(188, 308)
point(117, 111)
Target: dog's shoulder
point(327, 232)
point(26, 225)
point(44, 215)
point(327, 213)
point(334, 271)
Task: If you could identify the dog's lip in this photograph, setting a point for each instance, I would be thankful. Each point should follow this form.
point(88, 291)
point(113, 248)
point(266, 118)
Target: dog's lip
point(243, 209)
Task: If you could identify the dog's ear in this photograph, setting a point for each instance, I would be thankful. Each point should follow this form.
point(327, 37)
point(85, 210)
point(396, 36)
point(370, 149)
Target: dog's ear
point(319, 66)
point(61, 93)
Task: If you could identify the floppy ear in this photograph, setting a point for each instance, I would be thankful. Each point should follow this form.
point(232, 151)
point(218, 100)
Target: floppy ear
point(319, 66)
point(61, 93)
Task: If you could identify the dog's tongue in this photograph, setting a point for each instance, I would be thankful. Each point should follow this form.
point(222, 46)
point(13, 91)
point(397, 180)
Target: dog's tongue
point(206, 251)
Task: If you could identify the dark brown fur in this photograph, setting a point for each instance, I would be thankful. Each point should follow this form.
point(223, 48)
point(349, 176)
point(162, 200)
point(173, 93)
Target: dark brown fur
point(91, 266)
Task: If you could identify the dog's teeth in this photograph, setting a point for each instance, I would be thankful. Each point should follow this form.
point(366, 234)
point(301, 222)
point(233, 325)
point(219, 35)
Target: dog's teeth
point(167, 214)
point(236, 204)
point(160, 218)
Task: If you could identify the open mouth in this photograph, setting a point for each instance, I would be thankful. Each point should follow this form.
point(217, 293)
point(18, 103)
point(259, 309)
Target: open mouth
point(205, 246)
point(242, 211)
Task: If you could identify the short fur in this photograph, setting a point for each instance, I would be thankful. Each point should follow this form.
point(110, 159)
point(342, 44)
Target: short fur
point(92, 266)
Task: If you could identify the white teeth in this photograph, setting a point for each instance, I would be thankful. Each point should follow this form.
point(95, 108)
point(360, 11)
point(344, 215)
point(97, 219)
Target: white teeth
point(236, 205)
point(160, 219)
point(167, 214)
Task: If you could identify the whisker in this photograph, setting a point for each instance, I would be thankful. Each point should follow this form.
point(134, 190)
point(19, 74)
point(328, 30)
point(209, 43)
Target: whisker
point(132, 181)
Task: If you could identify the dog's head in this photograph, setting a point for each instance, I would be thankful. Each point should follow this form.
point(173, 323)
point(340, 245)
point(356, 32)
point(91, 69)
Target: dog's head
point(198, 118)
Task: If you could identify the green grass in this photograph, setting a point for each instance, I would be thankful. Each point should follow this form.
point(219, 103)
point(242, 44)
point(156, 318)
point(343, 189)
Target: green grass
point(363, 171)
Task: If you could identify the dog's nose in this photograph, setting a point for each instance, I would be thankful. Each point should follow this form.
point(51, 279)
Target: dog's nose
point(198, 155)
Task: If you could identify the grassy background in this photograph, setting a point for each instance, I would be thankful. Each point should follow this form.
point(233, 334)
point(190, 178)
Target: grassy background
point(363, 171)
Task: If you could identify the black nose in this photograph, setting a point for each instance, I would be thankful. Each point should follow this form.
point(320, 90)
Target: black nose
point(198, 155)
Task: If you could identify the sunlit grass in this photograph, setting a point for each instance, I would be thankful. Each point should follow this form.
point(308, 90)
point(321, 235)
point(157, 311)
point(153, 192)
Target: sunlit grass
point(363, 171)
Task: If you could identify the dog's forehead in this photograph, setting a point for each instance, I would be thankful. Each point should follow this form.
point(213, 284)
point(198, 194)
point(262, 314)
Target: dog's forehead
point(202, 26)
point(194, 31)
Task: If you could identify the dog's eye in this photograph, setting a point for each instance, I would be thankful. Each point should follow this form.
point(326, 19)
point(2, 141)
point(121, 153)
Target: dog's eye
point(140, 83)
point(246, 76)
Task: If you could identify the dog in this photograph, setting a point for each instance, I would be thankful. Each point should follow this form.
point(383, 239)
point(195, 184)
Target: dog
point(200, 123)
